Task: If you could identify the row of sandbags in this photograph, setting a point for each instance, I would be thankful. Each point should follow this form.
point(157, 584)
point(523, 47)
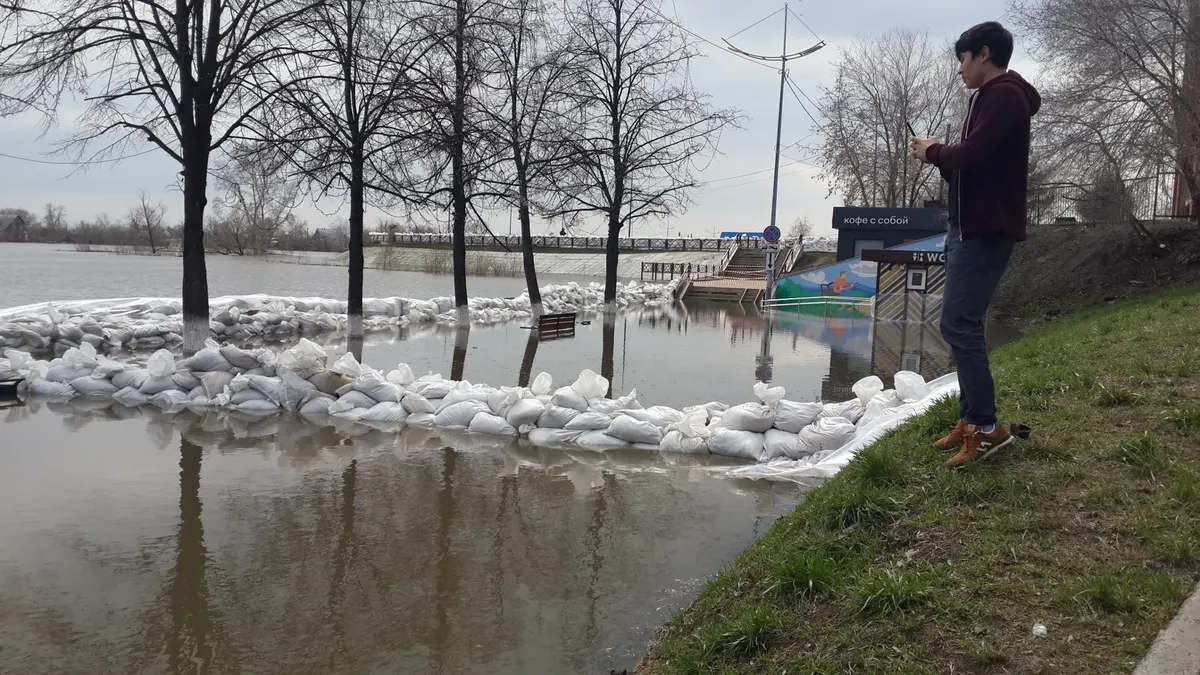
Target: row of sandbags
point(150, 323)
point(301, 380)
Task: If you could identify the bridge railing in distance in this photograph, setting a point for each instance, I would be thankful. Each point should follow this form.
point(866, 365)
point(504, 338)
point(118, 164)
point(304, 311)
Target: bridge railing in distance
point(513, 242)
point(663, 271)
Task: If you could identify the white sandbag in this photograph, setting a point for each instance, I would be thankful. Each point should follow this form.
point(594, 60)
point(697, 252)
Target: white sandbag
point(542, 384)
point(791, 416)
point(157, 385)
point(305, 359)
point(386, 411)
point(214, 382)
point(169, 397)
point(326, 381)
point(768, 395)
point(598, 440)
point(402, 375)
point(420, 420)
point(208, 361)
point(590, 385)
point(357, 399)
point(709, 409)
point(64, 373)
point(347, 365)
point(134, 377)
point(90, 386)
point(883, 402)
point(693, 425)
point(84, 355)
point(525, 412)
point(185, 380)
point(754, 417)
point(608, 406)
point(161, 364)
point(130, 397)
point(459, 415)
point(736, 443)
point(634, 431)
point(50, 389)
point(258, 406)
point(554, 438)
point(268, 386)
point(247, 394)
point(501, 400)
point(567, 397)
point(377, 387)
point(461, 395)
point(850, 410)
point(106, 368)
point(866, 388)
point(432, 387)
point(785, 444)
point(589, 421)
point(198, 397)
point(346, 408)
point(487, 423)
point(317, 405)
point(827, 433)
point(416, 404)
point(556, 417)
point(910, 386)
point(293, 391)
point(676, 442)
point(660, 416)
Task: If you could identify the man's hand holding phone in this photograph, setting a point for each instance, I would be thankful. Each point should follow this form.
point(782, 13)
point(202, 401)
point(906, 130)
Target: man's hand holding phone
point(919, 146)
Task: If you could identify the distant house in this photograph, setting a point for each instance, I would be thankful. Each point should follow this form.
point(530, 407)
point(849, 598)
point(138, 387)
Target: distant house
point(13, 228)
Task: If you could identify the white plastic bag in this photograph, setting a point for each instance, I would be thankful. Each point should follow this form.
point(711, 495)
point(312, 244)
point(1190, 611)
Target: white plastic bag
point(524, 412)
point(754, 417)
point(590, 385)
point(556, 417)
point(768, 395)
point(347, 365)
point(84, 355)
point(676, 442)
point(402, 375)
point(635, 431)
point(487, 423)
point(568, 397)
point(693, 425)
point(785, 444)
point(542, 384)
point(589, 421)
point(910, 386)
point(792, 417)
point(866, 388)
point(161, 364)
point(736, 443)
point(502, 399)
point(459, 415)
point(883, 402)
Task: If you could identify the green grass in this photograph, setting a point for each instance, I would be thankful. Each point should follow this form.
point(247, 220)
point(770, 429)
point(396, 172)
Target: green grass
point(900, 565)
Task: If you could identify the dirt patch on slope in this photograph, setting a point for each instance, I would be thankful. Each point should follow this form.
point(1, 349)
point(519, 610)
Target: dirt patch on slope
point(1061, 269)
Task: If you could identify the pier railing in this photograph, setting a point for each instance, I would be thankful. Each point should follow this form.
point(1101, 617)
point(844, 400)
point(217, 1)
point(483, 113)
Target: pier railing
point(513, 242)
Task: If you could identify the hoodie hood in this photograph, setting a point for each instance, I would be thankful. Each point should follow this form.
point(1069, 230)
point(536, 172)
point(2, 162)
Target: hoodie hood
point(1013, 79)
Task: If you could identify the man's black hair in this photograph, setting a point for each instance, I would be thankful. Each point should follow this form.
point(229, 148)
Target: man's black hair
point(989, 34)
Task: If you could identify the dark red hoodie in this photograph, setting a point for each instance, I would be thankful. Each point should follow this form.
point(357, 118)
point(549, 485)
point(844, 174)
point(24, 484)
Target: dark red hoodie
point(988, 170)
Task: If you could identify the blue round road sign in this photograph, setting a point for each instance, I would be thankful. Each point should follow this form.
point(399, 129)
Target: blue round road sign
point(772, 234)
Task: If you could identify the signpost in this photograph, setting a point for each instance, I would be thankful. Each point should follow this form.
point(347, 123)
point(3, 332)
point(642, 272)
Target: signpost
point(771, 235)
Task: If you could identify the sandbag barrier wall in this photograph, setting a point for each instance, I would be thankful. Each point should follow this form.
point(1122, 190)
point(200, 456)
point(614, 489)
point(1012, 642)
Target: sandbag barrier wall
point(151, 323)
point(300, 380)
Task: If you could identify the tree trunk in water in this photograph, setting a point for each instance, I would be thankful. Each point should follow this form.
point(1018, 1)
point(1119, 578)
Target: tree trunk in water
point(609, 347)
point(612, 253)
point(187, 645)
point(354, 296)
point(535, 293)
point(462, 336)
point(531, 347)
point(195, 273)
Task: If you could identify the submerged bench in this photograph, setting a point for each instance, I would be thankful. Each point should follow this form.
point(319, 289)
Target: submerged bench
point(554, 326)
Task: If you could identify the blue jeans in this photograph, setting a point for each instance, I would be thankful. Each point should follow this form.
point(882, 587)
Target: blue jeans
point(973, 270)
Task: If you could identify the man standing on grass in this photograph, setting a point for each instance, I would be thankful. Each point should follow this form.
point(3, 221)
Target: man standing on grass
point(987, 170)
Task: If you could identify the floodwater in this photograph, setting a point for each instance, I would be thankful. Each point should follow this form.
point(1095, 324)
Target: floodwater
point(133, 541)
point(32, 273)
point(136, 542)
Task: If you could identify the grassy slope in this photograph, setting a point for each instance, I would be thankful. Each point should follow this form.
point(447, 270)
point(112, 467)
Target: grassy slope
point(900, 565)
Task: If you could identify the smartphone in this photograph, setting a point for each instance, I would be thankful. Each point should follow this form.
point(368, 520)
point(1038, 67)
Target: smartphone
point(910, 129)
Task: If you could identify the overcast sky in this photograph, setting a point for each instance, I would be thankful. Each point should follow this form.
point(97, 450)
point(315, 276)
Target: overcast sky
point(740, 204)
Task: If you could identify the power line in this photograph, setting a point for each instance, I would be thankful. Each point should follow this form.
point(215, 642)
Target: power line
point(756, 23)
point(814, 33)
point(679, 24)
point(792, 87)
point(752, 173)
point(87, 163)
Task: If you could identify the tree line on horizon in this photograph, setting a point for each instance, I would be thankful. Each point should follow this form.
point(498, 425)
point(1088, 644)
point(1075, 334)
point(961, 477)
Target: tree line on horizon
point(574, 112)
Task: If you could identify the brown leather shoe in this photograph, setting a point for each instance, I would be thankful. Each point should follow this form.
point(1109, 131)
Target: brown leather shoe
point(952, 441)
point(978, 445)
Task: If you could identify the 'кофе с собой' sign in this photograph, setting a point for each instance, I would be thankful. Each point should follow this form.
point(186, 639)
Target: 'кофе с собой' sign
point(850, 217)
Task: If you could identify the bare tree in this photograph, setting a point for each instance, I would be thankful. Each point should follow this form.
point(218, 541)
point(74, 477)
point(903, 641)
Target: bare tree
point(637, 126)
point(800, 230)
point(1122, 86)
point(530, 82)
point(881, 85)
point(146, 220)
point(341, 114)
point(257, 203)
point(180, 76)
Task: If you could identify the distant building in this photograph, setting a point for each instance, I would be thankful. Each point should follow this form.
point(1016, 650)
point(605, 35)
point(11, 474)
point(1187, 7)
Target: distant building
point(13, 228)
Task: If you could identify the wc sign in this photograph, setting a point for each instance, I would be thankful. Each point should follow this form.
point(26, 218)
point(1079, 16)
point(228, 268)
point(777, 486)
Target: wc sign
point(929, 258)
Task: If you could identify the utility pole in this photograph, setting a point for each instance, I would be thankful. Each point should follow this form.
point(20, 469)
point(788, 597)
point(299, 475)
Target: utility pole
point(782, 60)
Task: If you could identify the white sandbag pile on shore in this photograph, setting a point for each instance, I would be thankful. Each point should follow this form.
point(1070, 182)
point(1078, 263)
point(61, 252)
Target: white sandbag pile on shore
point(152, 323)
point(792, 438)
